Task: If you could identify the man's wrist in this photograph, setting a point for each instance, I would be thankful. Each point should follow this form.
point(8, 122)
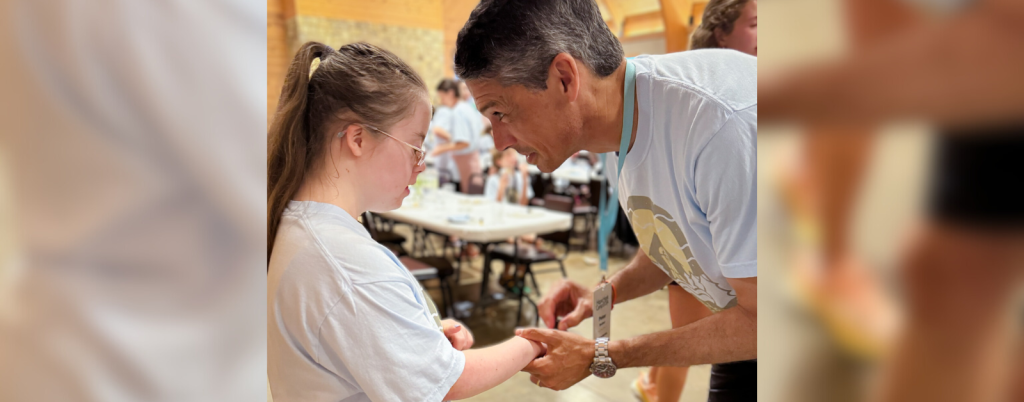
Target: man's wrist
point(618, 352)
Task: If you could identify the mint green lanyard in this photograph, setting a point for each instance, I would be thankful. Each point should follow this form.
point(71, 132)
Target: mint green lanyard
point(609, 208)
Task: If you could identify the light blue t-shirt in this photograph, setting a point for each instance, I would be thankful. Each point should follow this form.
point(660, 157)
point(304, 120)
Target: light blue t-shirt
point(345, 320)
point(473, 124)
point(445, 118)
point(485, 145)
point(689, 184)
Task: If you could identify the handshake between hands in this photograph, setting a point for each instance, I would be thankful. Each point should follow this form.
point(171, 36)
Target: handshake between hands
point(564, 358)
point(568, 356)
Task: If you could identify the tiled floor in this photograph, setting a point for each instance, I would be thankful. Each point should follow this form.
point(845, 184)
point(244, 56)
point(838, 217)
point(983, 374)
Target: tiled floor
point(497, 322)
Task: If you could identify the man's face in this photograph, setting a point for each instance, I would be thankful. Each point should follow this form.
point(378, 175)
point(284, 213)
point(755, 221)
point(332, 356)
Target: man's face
point(541, 124)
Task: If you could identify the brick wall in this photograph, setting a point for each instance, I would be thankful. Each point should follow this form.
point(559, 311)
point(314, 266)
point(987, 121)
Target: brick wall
point(421, 32)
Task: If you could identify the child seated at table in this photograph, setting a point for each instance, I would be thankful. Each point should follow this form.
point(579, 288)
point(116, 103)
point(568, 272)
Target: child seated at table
point(508, 182)
point(505, 181)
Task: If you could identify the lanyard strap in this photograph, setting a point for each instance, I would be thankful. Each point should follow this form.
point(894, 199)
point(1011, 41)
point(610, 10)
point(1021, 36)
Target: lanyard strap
point(609, 208)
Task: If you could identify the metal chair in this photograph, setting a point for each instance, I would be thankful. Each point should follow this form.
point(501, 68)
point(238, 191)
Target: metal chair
point(528, 254)
point(428, 268)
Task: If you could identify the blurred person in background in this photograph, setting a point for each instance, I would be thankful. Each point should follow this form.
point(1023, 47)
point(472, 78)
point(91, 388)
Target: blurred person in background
point(687, 181)
point(347, 321)
point(486, 147)
point(828, 277)
point(961, 73)
point(467, 106)
point(481, 127)
point(457, 149)
point(444, 126)
point(458, 125)
point(509, 182)
point(726, 24)
point(133, 133)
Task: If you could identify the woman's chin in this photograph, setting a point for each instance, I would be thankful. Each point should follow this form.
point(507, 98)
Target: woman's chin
point(398, 200)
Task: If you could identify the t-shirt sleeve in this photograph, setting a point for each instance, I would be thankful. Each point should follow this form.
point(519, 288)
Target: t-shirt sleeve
point(394, 351)
point(443, 118)
point(726, 190)
point(462, 129)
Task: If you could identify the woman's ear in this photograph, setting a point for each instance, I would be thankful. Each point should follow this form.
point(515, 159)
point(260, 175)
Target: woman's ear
point(720, 37)
point(354, 138)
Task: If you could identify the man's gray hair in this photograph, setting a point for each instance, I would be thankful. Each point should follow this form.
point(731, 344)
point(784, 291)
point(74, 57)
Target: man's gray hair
point(515, 41)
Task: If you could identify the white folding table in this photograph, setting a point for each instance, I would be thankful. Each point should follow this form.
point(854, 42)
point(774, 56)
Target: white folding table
point(479, 220)
point(488, 221)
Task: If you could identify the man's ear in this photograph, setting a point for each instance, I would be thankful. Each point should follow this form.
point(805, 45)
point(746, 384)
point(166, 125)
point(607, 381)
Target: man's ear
point(564, 74)
point(354, 138)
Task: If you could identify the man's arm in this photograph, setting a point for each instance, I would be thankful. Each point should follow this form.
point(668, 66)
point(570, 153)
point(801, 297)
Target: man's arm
point(964, 70)
point(730, 335)
point(641, 277)
point(575, 302)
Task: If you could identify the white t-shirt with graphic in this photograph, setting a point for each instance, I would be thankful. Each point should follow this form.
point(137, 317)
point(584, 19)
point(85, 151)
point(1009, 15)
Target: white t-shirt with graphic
point(345, 320)
point(689, 184)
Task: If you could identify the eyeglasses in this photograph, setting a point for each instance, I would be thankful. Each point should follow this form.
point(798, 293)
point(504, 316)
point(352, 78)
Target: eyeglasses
point(421, 155)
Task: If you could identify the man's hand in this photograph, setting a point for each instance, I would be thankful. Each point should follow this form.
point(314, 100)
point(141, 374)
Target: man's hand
point(457, 334)
point(566, 362)
point(566, 299)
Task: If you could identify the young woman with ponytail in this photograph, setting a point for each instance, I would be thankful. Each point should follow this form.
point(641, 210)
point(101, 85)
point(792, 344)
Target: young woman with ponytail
point(727, 24)
point(346, 321)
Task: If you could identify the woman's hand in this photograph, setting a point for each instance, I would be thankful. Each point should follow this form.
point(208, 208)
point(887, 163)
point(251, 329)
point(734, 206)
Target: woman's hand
point(457, 334)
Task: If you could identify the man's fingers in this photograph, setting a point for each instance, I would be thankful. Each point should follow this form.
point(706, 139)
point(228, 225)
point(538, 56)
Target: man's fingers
point(574, 318)
point(546, 308)
point(558, 300)
point(538, 366)
point(542, 335)
point(532, 367)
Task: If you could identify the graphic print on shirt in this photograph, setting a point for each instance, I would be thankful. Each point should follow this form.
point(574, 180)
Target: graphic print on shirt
point(663, 241)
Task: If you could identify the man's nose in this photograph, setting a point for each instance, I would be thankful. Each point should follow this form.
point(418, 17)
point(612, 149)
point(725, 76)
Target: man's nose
point(502, 138)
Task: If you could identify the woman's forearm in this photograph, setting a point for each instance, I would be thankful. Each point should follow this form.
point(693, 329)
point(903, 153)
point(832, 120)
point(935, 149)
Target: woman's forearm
point(485, 368)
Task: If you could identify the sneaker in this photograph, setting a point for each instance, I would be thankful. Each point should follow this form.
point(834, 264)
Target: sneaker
point(643, 389)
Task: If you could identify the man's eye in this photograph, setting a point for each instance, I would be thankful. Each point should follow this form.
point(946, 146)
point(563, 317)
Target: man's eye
point(499, 115)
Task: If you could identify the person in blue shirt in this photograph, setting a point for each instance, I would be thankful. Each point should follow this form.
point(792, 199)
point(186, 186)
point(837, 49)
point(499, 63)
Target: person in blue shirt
point(554, 80)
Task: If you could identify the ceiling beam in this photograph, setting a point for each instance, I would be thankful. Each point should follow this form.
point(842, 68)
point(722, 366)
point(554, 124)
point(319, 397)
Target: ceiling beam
point(677, 24)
